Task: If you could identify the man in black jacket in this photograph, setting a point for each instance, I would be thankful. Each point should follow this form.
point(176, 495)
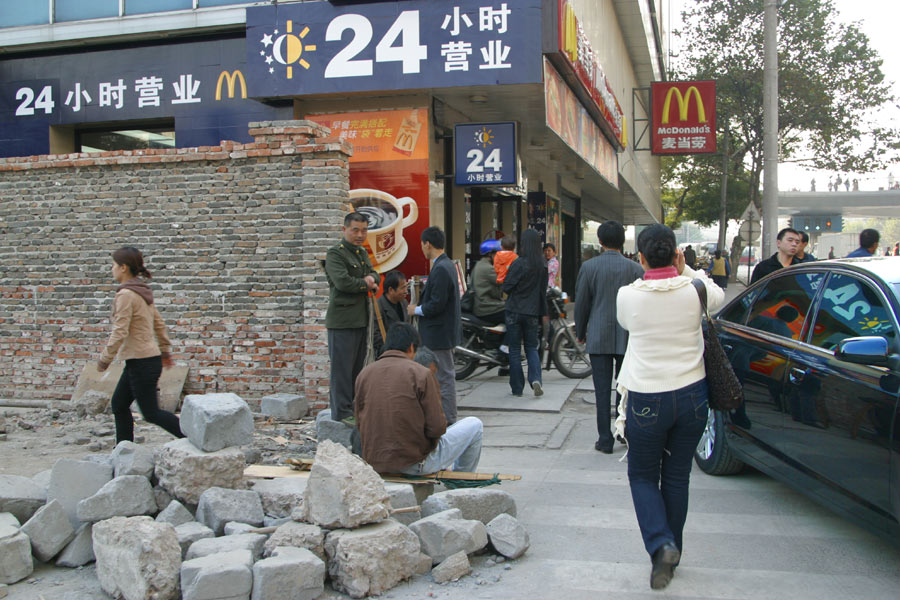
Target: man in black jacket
point(440, 321)
point(787, 242)
point(392, 306)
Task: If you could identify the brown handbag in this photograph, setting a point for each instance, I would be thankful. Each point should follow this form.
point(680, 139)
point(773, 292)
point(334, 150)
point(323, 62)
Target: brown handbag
point(725, 391)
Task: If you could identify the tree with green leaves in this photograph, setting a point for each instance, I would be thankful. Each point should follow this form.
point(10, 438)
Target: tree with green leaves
point(830, 84)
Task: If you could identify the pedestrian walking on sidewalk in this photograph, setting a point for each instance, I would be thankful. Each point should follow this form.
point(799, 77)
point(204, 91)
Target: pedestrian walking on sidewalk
point(139, 337)
point(664, 379)
point(526, 286)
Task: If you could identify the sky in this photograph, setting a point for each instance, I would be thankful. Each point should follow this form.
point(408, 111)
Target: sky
point(878, 19)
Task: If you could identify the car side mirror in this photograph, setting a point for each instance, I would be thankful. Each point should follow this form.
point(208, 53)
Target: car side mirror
point(869, 350)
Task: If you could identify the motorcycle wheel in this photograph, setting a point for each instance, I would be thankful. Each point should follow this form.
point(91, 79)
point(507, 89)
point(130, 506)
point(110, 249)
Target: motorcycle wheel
point(465, 365)
point(569, 357)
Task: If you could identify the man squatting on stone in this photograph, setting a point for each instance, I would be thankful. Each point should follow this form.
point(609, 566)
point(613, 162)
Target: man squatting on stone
point(400, 417)
point(350, 278)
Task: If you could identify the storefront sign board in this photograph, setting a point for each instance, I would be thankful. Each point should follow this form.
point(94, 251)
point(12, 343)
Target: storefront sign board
point(485, 153)
point(683, 117)
point(305, 48)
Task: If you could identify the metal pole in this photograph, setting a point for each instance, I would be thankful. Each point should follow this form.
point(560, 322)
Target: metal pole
point(770, 127)
point(723, 219)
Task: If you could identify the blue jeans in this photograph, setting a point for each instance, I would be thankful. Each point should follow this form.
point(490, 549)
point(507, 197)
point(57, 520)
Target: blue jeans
point(459, 448)
point(663, 430)
point(521, 327)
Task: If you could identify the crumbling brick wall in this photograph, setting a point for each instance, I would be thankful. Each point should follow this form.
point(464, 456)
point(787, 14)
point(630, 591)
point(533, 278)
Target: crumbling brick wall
point(233, 234)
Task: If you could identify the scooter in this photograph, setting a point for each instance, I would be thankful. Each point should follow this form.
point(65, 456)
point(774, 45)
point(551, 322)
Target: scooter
point(481, 343)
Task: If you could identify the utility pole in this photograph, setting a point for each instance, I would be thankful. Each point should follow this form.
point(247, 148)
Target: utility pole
point(770, 126)
point(723, 220)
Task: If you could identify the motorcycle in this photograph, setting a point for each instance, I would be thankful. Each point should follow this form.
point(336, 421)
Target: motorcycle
point(481, 343)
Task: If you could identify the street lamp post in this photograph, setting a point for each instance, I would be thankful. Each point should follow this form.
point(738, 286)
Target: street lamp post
point(770, 125)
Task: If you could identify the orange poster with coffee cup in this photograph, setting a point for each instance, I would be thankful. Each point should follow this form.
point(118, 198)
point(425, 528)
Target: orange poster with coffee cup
point(388, 181)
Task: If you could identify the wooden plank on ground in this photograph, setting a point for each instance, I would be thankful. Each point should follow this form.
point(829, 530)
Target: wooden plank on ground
point(273, 471)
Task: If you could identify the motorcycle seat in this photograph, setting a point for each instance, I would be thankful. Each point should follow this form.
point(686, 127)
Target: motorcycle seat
point(472, 319)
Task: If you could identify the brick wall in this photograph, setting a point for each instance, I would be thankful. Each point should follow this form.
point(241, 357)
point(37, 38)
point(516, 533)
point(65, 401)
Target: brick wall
point(233, 235)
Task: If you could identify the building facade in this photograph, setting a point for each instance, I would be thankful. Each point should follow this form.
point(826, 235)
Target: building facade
point(482, 117)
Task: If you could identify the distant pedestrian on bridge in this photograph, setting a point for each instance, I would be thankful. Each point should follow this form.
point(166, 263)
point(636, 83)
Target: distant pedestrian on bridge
point(812, 185)
point(897, 249)
point(868, 244)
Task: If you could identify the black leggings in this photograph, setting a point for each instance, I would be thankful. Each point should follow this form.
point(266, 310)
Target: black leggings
point(138, 382)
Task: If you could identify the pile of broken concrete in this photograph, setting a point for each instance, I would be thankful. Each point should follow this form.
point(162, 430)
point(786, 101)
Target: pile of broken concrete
point(212, 538)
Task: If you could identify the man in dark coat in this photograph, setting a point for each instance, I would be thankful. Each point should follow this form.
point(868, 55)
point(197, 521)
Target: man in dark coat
point(787, 242)
point(392, 306)
point(596, 325)
point(440, 321)
point(350, 278)
point(690, 257)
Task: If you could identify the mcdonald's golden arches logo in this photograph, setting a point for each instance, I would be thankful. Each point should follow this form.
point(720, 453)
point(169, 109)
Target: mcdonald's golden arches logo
point(684, 102)
point(230, 79)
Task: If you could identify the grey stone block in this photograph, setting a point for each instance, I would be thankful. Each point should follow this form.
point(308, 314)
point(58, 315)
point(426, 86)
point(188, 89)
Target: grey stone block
point(291, 574)
point(49, 530)
point(281, 495)
point(174, 514)
point(188, 533)
point(452, 568)
point(137, 558)
point(343, 491)
point(402, 495)
point(235, 527)
point(71, 481)
point(372, 559)
point(42, 479)
point(8, 519)
point(185, 471)
point(275, 521)
point(447, 533)
point(298, 535)
point(80, 550)
point(335, 431)
point(284, 407)
point(508, 536)
point(481, 504)
point(20, 496)
point(218, 506)
point(224, 576)
point(129, 458)
point(216, 421)
point(125, 496)
point(243, 541)
point(15, 555)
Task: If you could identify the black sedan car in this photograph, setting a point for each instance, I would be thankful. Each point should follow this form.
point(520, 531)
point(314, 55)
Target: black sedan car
point(817, 349)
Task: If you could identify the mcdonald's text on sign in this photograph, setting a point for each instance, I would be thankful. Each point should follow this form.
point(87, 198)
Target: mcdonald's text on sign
point(683, 117)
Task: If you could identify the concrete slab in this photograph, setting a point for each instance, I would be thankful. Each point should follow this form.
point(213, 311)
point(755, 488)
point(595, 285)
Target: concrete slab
point(171, 382)
point(495, 395)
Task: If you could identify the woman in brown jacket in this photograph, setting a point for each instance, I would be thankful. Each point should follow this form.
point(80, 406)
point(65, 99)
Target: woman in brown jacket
point(139, 337)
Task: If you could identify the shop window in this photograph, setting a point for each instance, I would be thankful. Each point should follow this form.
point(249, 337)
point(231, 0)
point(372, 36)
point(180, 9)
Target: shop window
point(220, 2)
point(17, 14)
point(125, 138)
point(139, 7)
point(76, 10)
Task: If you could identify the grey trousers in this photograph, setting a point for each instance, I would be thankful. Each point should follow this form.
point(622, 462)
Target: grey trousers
point(347, 351)
point(446, 376)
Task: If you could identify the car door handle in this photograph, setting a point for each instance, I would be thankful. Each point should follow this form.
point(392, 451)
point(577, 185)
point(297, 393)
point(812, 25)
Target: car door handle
point(727, 348)
point(797, 375)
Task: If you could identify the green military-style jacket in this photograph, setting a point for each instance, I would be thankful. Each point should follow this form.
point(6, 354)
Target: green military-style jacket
point(346, 266)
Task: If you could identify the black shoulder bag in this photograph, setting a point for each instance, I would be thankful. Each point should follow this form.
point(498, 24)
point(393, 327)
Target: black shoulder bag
point(725, 391)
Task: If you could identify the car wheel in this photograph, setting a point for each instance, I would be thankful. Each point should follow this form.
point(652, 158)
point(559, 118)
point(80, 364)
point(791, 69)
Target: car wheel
point(713, 455)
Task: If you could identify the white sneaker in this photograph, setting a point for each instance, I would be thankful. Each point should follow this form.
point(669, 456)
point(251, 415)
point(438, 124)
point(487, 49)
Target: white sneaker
point(538, 390)
point(504, 349)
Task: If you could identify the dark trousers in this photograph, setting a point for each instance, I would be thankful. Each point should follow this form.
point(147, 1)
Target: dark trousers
point(347, 352)
point(522, 328)
point(494, 318)
point(602, 371)
point(663, 430)
point(138, 382)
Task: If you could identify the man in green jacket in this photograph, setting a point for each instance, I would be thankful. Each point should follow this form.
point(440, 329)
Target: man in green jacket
point(350, 278)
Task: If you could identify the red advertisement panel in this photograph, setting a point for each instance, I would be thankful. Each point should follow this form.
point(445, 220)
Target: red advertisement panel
point(388, 181)
point(683, 117)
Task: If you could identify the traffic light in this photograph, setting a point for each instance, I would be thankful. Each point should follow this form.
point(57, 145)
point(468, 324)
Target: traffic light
point(816, 224)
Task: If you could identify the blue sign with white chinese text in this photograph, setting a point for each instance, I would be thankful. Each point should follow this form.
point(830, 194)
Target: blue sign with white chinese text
point(320, 48)
point(485, 154)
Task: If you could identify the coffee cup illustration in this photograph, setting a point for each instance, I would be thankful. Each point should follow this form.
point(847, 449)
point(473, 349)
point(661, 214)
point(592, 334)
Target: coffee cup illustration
point(385, 242)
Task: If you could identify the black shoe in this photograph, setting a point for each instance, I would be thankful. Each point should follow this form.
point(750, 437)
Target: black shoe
point(503, 372)
point(604, 449)
point(664, 561)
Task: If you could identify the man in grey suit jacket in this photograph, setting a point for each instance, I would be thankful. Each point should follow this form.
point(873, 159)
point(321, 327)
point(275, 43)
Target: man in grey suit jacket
point(598, 284)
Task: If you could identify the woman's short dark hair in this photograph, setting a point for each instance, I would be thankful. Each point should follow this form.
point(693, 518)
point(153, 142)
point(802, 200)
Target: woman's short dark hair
point(434, 236)
point(401, 336)
point(132, 258)
point(549, 245)
point(611, 234)
point(531, 249)
point(657, 244)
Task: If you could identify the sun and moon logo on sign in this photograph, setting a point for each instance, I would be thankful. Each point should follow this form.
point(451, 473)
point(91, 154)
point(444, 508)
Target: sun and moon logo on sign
point(484, 137)
point(286, 49)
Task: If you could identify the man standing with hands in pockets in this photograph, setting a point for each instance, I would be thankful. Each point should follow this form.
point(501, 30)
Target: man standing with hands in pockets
point(350, 279)
point(440, 321)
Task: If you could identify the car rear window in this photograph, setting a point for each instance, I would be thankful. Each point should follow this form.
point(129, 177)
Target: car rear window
point(781, 307)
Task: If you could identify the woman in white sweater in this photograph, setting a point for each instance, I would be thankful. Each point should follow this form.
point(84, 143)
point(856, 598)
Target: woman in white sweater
point(665, 381)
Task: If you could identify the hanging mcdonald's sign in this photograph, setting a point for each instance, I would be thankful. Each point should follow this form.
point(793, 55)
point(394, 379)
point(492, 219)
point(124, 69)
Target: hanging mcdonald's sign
point(683, 117)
